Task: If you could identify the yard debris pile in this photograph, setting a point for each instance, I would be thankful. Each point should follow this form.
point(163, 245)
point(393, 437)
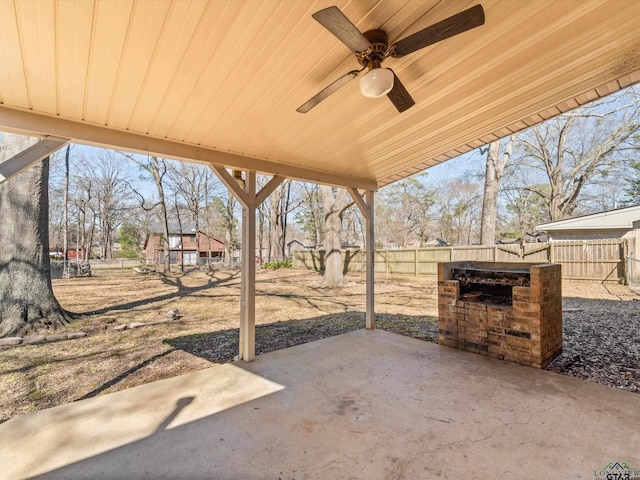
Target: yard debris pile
point(173, 314)
point(35, 339)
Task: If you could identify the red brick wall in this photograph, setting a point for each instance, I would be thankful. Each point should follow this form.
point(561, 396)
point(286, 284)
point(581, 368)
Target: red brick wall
point(153, 250)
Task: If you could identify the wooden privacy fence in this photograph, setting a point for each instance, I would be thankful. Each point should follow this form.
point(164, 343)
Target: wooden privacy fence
point(602, 260)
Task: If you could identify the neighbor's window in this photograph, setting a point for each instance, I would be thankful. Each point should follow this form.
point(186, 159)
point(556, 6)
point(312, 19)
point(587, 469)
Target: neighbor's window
point(174, 241)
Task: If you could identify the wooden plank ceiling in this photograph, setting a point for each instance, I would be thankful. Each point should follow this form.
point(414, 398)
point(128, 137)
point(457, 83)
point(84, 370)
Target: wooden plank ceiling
point(220, 81)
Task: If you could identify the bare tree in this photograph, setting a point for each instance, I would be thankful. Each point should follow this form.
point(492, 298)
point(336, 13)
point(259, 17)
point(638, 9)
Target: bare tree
point(156, 168)
point(571, 150)
point(404, 211)
point(632, 190)
point(224, 208)
point(106, 171)
point(192, 182)
point(457, 203)
point(353, 228)
point(86, 217)
point(65, 220)
point(310, 216)
point(280, 205)
point(27, 302)
point(180, 232)
point(524, 209)
point(56, 203)
point(498, 156)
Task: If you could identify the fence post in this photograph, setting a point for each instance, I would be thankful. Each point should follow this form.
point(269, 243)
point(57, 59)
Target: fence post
point(625, 253)
point(552, 253)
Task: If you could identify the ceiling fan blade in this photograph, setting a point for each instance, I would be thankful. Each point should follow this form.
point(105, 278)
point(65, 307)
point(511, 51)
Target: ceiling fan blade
point(458, 23)
point(337, 23)
point(399, 95)
point(325, 92)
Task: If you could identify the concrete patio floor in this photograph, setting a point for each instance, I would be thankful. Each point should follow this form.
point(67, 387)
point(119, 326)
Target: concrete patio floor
point(368, 404)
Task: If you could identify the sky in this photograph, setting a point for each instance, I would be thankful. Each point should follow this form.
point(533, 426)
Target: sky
point(456, 167)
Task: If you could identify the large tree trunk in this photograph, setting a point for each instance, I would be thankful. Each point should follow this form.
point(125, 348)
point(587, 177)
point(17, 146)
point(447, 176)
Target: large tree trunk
point(496, 163)
point(333, 205)
point(27, 302)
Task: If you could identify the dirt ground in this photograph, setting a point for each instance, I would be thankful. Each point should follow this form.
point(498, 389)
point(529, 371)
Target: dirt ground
point(602, 339)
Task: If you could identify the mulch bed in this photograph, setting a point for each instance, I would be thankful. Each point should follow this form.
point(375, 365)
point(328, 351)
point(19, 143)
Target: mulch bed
point(601, 342)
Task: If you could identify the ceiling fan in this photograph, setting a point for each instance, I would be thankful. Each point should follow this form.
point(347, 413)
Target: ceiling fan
point(372, 48)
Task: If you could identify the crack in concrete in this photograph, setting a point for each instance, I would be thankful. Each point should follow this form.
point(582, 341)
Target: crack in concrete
point(400, 466)
point(508, 424)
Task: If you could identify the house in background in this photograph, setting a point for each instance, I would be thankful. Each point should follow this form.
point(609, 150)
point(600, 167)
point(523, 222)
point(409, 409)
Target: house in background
point(72, 252)
point(182, 242)
point(609, 224)
point(296, 245)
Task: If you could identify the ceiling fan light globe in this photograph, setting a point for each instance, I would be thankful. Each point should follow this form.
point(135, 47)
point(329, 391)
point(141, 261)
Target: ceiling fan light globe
point(377, 82)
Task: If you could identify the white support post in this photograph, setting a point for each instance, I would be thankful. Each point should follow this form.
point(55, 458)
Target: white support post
point(366, 207)
point(370, 245)
point(250, 201)
point(248, 278)
point(31, 155)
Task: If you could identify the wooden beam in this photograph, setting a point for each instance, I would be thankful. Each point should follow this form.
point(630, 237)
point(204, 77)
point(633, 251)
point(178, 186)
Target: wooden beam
point(29, 123)
point(360, 202)
point(231, 184)
point(268, 189)
point(35, 153)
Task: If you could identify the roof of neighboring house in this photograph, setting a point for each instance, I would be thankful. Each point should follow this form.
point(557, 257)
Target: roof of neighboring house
point(174, 228)
point(289, 243)
point(619, 218)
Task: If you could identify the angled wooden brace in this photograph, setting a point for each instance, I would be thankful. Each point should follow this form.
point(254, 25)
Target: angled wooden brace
point(31, 155)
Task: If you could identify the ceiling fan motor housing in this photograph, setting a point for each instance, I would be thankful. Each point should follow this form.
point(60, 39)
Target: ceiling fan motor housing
point(373, 57)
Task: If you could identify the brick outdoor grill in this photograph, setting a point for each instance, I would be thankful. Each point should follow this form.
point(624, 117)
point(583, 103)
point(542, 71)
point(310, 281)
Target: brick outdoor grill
point(510, 311)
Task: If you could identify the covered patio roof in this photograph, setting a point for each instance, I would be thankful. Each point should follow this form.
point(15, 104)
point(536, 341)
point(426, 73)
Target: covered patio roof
point(220, 81)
